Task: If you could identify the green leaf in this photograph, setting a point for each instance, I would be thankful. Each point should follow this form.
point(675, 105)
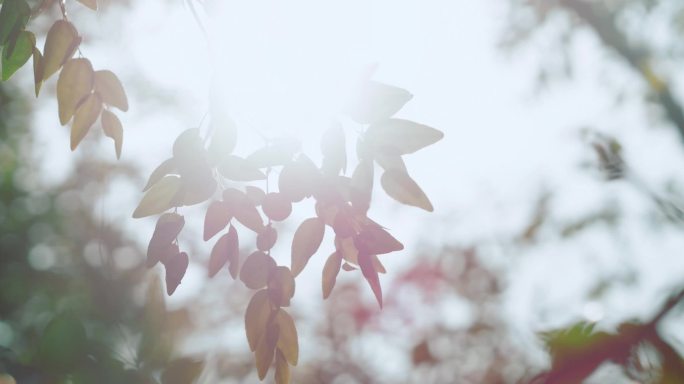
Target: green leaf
point(86, 115)
point(61, 43)
point(159, 198)
point(111, 125)
point(400, 137)
point(13, 18)
point(166, 167)
point(402, 188)
point(110, 89)
point(74, 84)
point(16, 55)
point(307, 239)
point(63, 343)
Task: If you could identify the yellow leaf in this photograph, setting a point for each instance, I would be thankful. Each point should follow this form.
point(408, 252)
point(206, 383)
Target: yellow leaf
point(86, 115)
point(402, 188)
point(265, 351)
point(281, 286)
point(37, 70)
point(377, 265)
point(163, 169)
point(92, 4)
point(225, 250)
point(330, 271)
point(282, 373)
point(399, 136)
point(256, 269)
point(110, 89)
point(288, 342)
point(111, 125)
point(257, 316)
point(305, 243)
point(159, 198)
point(75, 83)
point(61, 43)
point(348, 249)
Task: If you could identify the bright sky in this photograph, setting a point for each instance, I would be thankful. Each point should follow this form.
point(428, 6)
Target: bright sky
point(282, 68)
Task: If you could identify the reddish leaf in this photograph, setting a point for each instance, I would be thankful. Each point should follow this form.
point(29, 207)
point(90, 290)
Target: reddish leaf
point(281, 286)
point(307, 239)
point(375, 240)
point(276, 206)
point(371, 275)
point(343, 224)
point(218, 216)
point(330, 272)
point(226, 249)
point(361, 187)
point(243, 209)
point(266, 239)
point(255, 195)
point(167, 229)
point(257, 316)
point(256, 269)
point(176, 266)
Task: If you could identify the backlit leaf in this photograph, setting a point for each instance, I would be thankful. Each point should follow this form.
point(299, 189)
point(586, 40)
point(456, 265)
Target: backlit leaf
point(390, 162)
point(256, 318)
point(187, 145)
point(334, 151)
point(74, 84)
point(245, 212)
point(276, 206)
point(111, 125)
point(176, 265)
point(159, 197)
point(86, 115)
point(14, 15)
point(224, 136)
point(92, 4)
point(255, 195)
point(305, 243)
point(266, 239)
point(330, 271)
point(281, 286)
point(375, 101)
point(378, 265)
point(61, 43)
point(163, 169)
point(288, 341)
point(167, 229)
point(402, 188)
point(256, 269)
point(298, 179)
point(399, 136)
point(238, 169)
point(277, 153)
point(265, 351)
point(37, 70)
point(282, 370)
point(361, 187)
point(218, 216)
point(14, 56)
point(371, 275)
point(109, 87)
point(375, 240)
point(225, 250)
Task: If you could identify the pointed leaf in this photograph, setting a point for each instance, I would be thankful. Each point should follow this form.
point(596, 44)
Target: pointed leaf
point(288, 342)
point(307, 239)
point(371, 275)
point(399, 137)
point(375, 240)
point(225, 250)
point(37, 70)
point(163, 169)
point(14, 15)
point(281, 286)
point(167, 229)
point(61, 43)
point(256, 318)
point(176, 265)
point(402, 188)
point(376, 101)
point(282, 373)
point(246, 213)
point(238, 169)
point(111, 125)
point(109, 87)
point(265, 351)
point(86, 115)
point(16, 55)
point(159, 198)
point(218, 216)
point(256, 269)
point(330, 271)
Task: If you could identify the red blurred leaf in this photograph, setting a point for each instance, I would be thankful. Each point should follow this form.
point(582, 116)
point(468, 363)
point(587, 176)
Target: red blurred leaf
point(371, 275)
